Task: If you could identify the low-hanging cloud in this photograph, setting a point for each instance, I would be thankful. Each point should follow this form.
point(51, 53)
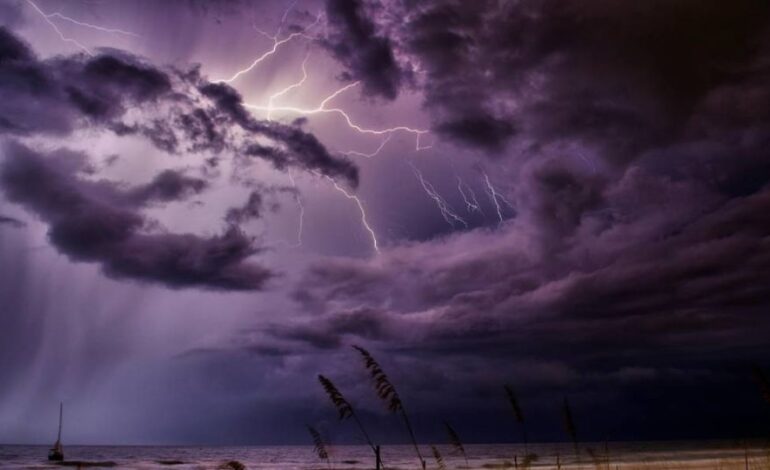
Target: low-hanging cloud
point(101, 222)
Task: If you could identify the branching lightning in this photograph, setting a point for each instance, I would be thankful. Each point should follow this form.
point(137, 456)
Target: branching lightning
point(259, 59)
point(270, 108)
point(92, 26)
point(285, 16)
point(447, 212)
point(364, 220)
point(471, 203)
point(372, 154)
point(64, 38)
point(288, 88)
point(322, 109)
point(279, 39)
point(277, 43)
point(496, 198)
point(418, 146)
point(301, 222)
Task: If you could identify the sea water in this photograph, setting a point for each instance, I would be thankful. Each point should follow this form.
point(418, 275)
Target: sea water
point(690, 455)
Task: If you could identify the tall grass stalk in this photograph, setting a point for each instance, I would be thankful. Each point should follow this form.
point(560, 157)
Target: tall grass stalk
point(569, 427)
point(439, 459)
point(517, 414)
point(387, 393)
point(344, 408)
point(319, 447)
point(455, 442)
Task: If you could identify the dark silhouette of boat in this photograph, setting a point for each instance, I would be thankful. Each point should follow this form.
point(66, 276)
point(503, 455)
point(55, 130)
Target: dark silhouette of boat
point(56, 453)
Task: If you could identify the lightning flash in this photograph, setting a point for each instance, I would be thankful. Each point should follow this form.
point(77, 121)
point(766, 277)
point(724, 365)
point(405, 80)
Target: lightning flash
point(364, 220)
point(496, 198)
point(447, 212)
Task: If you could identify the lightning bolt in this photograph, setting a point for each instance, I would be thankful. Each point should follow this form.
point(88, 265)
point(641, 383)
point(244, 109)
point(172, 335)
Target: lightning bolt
point(280, 25)
point(64, 38)
point(496, 198)
point(322, 109)
point(288, 88)
point(471, 203)
point(301, 223)
point(419, 147)
point(92, 26)
point(285, 16)
point(372, 154)
point(360, 205)
point(277, 43)
point(447, 212)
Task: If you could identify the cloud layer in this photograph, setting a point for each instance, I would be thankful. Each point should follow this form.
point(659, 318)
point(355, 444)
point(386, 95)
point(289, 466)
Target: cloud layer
point(178, 112)
point(100, 221)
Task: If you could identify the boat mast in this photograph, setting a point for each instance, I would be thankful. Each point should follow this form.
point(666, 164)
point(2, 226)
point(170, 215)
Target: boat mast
point(58, 437)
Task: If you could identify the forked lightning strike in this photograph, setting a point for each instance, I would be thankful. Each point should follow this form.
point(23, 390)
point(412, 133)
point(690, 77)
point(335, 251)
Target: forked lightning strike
point(418, 146)
point(322, 109)
point(93, 26)
point(447, 212)
point(471, 203)
point(64, 38)
point(372, 154)
point(288, 88)
point(496, 197)
point(364, 221)
point(277, 43)
point(298, 200)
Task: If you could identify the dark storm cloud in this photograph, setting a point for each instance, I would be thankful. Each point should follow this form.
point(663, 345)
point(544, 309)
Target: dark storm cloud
point(662, 251)
point(340, 279)
point(627, 286)
point(251, 209)
point(654, 262)
point(99, 221)
point(106, 80)
point(367, 56)
point(168, 186)
point(636, 282)
point(329, 332)
point(11, 221)
point(178, 111)
point(477, 128)
point(620, 78)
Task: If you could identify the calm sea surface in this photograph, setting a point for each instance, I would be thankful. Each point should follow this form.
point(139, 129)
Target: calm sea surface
point(690, 455)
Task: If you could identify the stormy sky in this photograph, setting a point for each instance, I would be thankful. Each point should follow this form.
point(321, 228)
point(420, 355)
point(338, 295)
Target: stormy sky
point(203, 205)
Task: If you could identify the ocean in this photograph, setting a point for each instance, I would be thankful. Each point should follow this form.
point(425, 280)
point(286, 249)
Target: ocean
point(612, 456)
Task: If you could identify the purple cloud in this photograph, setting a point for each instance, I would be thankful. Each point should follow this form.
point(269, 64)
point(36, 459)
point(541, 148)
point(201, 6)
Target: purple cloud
point(100, 222)
point(180, 111)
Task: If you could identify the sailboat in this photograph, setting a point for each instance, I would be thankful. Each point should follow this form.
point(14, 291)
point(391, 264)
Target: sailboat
point(57, 452)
